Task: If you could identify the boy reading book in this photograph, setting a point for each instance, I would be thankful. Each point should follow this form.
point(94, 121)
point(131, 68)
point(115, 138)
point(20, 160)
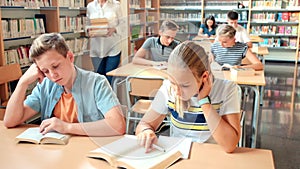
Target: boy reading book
point(33, 135)
point(69, 99)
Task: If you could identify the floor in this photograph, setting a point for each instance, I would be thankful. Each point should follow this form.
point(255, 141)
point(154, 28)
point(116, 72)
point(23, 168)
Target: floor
point(279, 127)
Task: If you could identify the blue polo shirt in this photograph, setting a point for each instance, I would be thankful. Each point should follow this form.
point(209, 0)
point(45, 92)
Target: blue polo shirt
point(91, 91)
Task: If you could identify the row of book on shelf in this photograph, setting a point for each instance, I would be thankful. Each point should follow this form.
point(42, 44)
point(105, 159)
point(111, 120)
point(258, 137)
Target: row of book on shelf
point(72, 23)
point(20, 55)
point(274, 4)
point(13, 28)
point(137, 4)
point(275, 17)
point(182, 15)
point(280, 104)
point(274, 30)
point(279, 42)
point(43, 3)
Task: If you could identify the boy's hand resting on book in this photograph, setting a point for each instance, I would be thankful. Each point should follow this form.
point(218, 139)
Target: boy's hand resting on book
point(53, 124)
point(146, 138)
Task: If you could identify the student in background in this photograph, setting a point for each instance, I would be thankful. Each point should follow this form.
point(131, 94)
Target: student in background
point(158, 49)
point(241, 33)
point(69, 99)
point(227, 51)
point(199, 105)
point(106, 50)
point(208, 29)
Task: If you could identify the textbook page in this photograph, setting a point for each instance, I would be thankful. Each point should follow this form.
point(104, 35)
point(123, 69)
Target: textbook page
point(126, 152)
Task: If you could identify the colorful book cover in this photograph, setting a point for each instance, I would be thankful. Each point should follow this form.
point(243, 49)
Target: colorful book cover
point(285, 16)
point(288, 30)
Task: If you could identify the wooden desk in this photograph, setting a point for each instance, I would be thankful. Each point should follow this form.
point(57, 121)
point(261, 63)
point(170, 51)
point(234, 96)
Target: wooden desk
point(256, 39)
point(252, 83)
point(73, 155)
point(133, 69)
point(200, 38)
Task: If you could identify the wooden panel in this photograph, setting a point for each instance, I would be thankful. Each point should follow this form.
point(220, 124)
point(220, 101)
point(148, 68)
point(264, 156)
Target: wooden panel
point(14, 74)
point(52, 20)
point(10, 73)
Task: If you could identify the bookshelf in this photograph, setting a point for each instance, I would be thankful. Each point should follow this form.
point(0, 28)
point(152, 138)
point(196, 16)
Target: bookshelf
point(277, 22)
point(143, 16)
point(22, 21)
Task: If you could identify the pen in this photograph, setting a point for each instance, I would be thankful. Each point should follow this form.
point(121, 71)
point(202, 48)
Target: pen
point(158, 148)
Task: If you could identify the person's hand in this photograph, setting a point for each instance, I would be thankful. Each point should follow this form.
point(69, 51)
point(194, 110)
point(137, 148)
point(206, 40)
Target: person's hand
point(205, 88)
point(110, 31)
point(146, 138)
point(32, 74)
point(53, 124)
point(163, 63)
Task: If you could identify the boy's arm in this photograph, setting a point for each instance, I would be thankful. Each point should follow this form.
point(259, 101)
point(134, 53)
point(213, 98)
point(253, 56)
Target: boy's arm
point(140, 58)
point(16, 112)
point(255, 62)
point(113, 124)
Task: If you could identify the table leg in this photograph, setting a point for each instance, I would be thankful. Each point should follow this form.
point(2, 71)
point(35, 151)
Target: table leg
point(254, 123)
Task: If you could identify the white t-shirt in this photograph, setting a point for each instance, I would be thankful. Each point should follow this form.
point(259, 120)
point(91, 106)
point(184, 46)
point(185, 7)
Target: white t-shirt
point(106, 46)
point(224, 98)
point(241, 35)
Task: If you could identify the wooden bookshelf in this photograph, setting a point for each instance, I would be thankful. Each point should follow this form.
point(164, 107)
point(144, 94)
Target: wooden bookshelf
point(52, 16)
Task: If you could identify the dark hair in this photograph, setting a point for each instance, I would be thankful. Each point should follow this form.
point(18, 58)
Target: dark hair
point(211, 17)
point(233, 15)
point(47, 42)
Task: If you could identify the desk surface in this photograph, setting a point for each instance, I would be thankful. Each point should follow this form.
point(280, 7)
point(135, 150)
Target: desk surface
point(73, 155)
point(260, 50)
point(132, 69)
point(257, 80)
point(256, 39)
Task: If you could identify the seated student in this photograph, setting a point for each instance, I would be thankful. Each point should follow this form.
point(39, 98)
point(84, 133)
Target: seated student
point(69, 99)
point(200, 105)
point(208, 29)
point(241, 33)
point(227, 51)
point(159, 48)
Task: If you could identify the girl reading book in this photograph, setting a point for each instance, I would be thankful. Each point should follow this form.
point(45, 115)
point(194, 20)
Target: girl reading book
point(201, 107)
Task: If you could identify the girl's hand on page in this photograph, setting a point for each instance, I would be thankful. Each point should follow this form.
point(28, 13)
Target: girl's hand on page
point(146, 138)
point(32, 74)
point(53, 124)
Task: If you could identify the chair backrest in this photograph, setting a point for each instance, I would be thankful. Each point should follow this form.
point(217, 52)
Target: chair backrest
point(143, 86)
point(139, 86)
point(10, 73)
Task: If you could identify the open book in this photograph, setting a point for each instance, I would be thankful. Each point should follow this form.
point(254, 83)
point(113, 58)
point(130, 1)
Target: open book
point(126, 152)
point(33, 135)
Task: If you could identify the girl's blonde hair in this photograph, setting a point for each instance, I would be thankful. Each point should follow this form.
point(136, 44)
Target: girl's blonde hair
point(226, 30)
point(189, 55)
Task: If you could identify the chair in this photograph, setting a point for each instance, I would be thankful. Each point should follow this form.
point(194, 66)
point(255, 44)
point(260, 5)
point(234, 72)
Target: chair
point(139, 94)
point(8, 74)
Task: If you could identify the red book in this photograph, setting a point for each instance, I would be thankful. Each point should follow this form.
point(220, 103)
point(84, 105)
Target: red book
point(285, 16)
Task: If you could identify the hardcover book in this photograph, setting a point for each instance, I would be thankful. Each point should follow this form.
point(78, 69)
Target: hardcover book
point(126, 153)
